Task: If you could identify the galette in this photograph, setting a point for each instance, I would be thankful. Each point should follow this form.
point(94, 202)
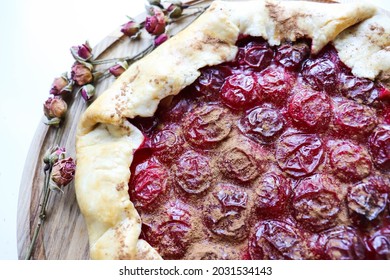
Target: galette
point(261, 131)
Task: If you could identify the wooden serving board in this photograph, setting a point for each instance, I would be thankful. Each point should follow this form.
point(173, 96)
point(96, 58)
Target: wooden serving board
point(64, 234)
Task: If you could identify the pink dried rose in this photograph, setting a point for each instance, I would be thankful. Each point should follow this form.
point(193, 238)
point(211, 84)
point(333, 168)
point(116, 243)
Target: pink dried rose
point(55, 107)
point(54, 154)
point(87, 92)
point(62, 173)
point(82, 73)
point(61, 85)
point(131, 28)
point(118, 68)
point(161, 39)
point(82, 52)
point(155, 24)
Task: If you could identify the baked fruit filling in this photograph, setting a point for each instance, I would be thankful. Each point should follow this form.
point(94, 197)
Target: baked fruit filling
point(275, 155)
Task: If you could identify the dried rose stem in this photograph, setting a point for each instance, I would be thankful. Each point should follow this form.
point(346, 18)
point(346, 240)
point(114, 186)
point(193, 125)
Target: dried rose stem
point(127, 58)
point(43, 204)
point(42, 214)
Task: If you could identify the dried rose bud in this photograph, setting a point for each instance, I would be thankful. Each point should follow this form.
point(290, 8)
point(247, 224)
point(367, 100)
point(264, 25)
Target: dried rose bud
point(61, 85)
point(62, 173)
point(55, 107)
point(161, 39)
point(87, 92)
point(82, 52)
point(131, 28)
point(81, 73)
point(175, 10)
point(53, 155)
point(118, 68)
point(155, 24)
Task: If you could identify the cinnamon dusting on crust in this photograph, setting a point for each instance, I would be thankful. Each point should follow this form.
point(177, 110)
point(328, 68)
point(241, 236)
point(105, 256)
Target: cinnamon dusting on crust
point(120, 186)
point(285, 23)
point(376, 34)
point(121, 240)
point(209, 41)
point(214, 41)
point(123, 88)
point(379, 29)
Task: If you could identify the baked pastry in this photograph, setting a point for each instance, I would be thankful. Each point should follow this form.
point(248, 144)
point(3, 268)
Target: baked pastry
point(261, 131)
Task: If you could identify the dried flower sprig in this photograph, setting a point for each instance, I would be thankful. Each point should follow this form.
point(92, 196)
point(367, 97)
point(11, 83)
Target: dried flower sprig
point(61, 85)
point(59, 170)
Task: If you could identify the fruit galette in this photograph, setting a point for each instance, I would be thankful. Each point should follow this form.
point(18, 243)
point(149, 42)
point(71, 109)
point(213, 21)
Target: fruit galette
point(262, 131)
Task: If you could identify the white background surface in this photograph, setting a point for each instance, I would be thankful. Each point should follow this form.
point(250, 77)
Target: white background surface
point(35, 37)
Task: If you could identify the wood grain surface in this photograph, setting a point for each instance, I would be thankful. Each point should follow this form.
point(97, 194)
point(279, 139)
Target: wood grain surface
point(64, 234)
